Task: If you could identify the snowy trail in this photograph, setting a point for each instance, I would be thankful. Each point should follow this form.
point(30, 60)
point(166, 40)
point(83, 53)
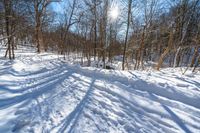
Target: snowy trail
point(40, 93)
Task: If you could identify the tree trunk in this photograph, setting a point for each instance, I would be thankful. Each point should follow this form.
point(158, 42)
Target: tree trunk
point(126, 38)
point(141, 50)
point(167, 50)
point(176, 55)
point(194, 56)
point(8, 10)
point(197, 63)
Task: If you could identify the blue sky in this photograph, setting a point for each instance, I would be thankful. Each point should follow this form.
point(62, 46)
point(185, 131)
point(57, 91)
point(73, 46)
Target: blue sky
point(58, 7)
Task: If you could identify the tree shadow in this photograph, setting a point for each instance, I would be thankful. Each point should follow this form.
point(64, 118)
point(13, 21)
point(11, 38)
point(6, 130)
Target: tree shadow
point(43, 88)
point(134, 75)
point(174, 116)
point(197, 84)
point(3, 88)
point(74, 115)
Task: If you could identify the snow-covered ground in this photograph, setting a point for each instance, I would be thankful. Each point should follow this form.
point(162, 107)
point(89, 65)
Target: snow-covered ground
point(43, 94)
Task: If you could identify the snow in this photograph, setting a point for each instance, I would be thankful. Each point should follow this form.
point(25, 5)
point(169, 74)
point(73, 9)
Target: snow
point(42, 93)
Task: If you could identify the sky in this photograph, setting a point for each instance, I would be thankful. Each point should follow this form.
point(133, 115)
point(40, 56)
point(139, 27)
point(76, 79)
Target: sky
point(58, 7)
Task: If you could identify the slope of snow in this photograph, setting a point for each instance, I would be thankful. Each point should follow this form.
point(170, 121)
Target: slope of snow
point(42, 93)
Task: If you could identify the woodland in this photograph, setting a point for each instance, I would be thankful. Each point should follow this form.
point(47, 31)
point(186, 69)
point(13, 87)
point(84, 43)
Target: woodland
point(161, 33)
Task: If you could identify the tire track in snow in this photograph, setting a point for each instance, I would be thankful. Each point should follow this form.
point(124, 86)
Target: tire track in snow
point(34, 79)
point(35, 91)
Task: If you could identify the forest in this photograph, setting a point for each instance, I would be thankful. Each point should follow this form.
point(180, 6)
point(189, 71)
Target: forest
point(166, 33)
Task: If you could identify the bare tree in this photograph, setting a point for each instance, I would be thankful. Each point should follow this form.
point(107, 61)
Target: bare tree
point(40, 8)
point(9, 28)
point(127, 30)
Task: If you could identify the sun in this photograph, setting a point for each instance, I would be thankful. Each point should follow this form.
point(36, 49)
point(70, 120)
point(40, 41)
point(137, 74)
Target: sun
point(113, 12)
